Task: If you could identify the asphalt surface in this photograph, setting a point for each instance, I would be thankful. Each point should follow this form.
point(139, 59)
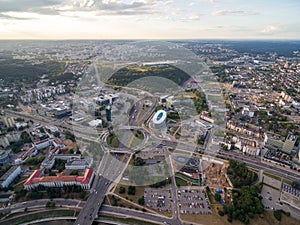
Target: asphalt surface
point(95, 200)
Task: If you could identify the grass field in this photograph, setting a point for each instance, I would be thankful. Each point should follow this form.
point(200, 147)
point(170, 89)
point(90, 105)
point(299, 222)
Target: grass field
point(38, 215)
point(125, 221)
point(187, 179)
point(139, 191)
point(215, 219)
point(272, 176)
point(180, 182)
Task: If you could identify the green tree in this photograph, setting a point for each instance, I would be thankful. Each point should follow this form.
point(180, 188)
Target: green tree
point(217, 197)
point(141, 200)
point(131, 190)
point(122, 190)
point(277, 214)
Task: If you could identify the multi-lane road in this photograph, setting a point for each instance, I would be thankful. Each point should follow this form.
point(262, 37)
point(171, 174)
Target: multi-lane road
point(95, 200)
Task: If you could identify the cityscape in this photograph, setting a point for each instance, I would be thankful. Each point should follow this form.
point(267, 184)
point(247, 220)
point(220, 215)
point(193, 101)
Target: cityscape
point(143, 112)
point(126, 152)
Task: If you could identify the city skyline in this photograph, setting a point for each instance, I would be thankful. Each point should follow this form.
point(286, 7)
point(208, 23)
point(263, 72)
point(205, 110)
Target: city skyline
point(149, 19)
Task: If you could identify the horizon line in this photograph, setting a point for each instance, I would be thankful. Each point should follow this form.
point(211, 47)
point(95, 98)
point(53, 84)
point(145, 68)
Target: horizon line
point(151, 39)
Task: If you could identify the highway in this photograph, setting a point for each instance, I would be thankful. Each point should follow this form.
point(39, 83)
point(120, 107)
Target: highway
point(95, 200)
point(104, 210)
point(137, 214)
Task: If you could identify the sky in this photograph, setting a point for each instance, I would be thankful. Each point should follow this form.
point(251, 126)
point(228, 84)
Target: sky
point(150, 19)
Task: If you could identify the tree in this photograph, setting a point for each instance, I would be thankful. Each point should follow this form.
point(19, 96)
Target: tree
point(277, 214)
point(217, 197)
point(141, 200)
point(74, 173)
point(82, 194)
point(131, 190)
point(122, 190)
point(50, 204)
point(138, 162)
point(221, 213)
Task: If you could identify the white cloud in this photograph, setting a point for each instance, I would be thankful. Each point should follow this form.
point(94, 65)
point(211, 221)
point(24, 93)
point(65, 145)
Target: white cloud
point(270, 29)
point(225, 12)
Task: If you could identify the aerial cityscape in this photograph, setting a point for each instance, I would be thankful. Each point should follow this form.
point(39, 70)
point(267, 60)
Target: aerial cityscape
point(173, 122)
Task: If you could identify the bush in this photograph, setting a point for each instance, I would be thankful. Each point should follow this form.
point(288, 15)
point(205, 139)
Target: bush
point(221, 213)
point(217, 197)
point(50, 204)
point(141, 200)
point(277, 214)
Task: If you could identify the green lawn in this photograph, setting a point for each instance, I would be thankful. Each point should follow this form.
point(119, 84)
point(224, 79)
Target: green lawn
point(180, 182)
point(125, 221)
point(38, 216)
point(187, 179)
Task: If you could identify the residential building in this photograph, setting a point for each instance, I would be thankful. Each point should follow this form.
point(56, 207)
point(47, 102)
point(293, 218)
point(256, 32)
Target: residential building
point(10, 176)
point(289, 143)
point(4, 157)
point(9, 121)
point(4, 142)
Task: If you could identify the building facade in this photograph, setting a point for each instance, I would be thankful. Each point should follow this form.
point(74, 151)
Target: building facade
point(37, 179)
point(10, 176)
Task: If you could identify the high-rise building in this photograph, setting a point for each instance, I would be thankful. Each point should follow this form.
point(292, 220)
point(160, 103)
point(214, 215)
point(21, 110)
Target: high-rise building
point(108, 113)
point(289, 143)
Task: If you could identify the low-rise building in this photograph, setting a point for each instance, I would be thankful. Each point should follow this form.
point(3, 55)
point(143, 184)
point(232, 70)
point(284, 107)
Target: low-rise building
point(37, 179)
point(43, 144)
point(95, 123)
point(78, 164)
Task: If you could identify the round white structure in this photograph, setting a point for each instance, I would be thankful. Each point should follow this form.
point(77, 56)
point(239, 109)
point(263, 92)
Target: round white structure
point(159, 119)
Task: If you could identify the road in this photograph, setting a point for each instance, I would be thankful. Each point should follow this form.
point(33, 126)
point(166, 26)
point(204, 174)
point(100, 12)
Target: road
point(258, 164)
point(104, 210)
point(95, 200)
point(136, 214)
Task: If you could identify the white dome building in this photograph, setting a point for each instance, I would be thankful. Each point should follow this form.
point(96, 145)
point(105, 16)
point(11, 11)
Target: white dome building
point(160, 119)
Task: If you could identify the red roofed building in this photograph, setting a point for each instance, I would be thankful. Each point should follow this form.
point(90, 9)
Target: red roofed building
point(43, 144)
point(37, 179)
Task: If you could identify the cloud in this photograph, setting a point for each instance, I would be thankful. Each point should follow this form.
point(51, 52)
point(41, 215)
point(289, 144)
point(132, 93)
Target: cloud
point(118, 7)
point(234, 13)
point(9, 17)
point(270, 29)
point(27, 5)
point(191, 18)
point(101, 7)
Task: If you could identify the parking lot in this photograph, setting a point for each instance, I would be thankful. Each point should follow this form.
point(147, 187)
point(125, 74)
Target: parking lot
point(270, 197)
point(193, 201)
point(273, 199)
point(158, 199)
